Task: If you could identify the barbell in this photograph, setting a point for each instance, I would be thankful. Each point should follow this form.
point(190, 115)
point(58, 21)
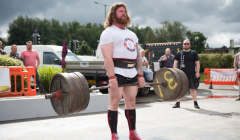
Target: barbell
point(70, 93)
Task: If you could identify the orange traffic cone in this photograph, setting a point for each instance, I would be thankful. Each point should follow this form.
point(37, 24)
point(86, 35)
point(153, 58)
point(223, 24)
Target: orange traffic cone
point(210, 87)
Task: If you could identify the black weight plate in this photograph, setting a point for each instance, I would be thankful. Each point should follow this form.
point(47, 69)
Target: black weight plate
point(185, 82)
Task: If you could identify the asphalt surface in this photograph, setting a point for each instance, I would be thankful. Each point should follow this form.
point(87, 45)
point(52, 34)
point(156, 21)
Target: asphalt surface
point(218, 118)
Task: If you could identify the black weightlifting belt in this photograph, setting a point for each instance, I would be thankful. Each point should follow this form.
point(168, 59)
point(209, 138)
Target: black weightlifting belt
point(124, 64)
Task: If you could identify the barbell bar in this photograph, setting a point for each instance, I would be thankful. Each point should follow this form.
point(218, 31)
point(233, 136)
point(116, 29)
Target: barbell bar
point(70, 93)
point(56, 94)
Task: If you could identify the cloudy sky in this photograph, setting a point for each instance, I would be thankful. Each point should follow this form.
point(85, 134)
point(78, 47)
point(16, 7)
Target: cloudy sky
point(219, 20)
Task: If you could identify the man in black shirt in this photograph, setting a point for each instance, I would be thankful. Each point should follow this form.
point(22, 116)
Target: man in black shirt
point(188, 61)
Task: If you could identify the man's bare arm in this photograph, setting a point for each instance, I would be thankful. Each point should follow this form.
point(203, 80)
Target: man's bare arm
point(107, 52)
point(145, 63)
point(139, 62)
point(175, 64)
point(197, 63)
point(235, 64)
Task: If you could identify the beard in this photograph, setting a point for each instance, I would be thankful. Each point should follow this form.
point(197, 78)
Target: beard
point(186, 48)
point(121, 20)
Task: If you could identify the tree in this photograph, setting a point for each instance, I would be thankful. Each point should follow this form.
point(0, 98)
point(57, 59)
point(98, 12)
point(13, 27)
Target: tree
point(84, 49)
point(54, 33)
point(92, 34)
point(224, 48)
point(150, 37)
point(57, 32)
point(161, 35)
point(198, 41)
point(207, 46)
point(140, 32)
point(22, 29)
point(170, 32)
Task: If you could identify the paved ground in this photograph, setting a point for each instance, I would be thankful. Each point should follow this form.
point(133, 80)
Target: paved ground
point(218, 119)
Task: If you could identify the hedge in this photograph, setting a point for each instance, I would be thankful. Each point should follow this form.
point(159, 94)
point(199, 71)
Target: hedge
point(5, 60)
point(46, 73)
point(213, 60)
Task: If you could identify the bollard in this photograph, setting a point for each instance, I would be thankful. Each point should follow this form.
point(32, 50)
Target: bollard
point(211, 87)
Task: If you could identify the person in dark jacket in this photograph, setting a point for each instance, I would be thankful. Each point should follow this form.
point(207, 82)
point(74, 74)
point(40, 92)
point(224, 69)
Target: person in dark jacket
point(1, 51)
point(166, 60)
point(14, 53)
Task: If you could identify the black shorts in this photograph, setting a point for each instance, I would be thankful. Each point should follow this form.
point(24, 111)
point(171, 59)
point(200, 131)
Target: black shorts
point(125, 80)
point(192, 82)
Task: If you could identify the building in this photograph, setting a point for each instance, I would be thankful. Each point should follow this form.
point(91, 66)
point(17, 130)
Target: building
point(155, 50)
point(216, 50)
point(234, 47)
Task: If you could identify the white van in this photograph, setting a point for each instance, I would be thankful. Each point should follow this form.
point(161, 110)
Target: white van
point(87, 58)
point(48, 54)
point(93, 71)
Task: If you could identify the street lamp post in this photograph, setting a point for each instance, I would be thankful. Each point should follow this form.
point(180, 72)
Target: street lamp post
point(103, 5)
point(42, 35)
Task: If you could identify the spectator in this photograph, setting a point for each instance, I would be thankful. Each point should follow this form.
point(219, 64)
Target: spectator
point(148, 75)
point(14, 53)
point(1, 51)
point(166, 60)
point(30, 56)
point(188, 61)
point(237, 69)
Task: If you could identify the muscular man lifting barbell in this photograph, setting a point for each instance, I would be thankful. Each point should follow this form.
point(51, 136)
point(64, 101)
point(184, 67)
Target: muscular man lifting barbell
point(122, 61)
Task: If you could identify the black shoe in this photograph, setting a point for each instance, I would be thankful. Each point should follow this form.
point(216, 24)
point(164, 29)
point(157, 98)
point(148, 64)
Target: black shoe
point(196, 105)
point(177, 105)
point(238, 99)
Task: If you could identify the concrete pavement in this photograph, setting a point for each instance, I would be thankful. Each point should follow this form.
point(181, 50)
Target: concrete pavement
point(218, 119)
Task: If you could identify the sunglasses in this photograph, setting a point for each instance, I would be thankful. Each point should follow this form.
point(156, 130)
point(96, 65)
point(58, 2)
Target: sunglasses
point(186, 43)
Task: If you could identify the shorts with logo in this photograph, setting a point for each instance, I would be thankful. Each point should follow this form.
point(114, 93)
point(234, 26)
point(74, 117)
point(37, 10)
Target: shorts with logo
point(125, 80)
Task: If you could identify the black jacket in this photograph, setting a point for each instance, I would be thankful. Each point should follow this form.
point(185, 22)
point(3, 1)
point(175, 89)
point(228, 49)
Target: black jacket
point(2, 52)
point(17, 56)
point(168, 63)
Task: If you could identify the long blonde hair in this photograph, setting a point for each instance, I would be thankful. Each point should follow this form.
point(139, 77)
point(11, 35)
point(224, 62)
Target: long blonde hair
point(111, 16)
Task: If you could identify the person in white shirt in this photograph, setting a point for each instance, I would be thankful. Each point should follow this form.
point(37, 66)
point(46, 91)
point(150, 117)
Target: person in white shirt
point(148, 75)
point(236, 65)
point(123, 63)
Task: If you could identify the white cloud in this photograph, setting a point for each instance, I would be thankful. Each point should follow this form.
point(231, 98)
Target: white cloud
point(146, 22)
point(4, 28)
point(216, 19)
point(220, 39)
point(225, 3)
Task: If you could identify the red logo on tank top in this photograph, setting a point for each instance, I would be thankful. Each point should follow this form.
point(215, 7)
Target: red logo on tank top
point(129, 44)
